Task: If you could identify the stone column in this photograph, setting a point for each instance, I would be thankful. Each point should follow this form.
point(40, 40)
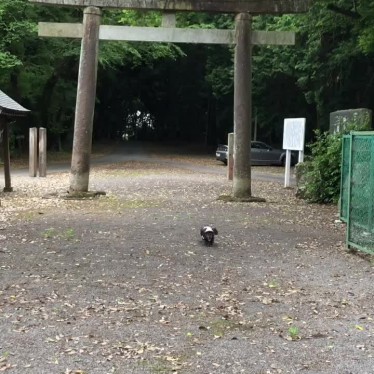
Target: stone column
point(85, 105)
point(242, 107)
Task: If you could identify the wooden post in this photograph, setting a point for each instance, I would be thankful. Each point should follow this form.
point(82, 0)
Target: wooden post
point(42, 152)
point(85, 105)
point(242, 107)
point(6, 155)
point(230, 158)
point(33, 151)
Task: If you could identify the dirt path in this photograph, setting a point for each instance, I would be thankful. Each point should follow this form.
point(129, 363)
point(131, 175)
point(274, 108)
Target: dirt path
point(123, 283)
point(170, 157)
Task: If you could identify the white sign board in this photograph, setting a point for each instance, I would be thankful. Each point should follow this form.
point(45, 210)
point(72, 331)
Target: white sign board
point(294, 134)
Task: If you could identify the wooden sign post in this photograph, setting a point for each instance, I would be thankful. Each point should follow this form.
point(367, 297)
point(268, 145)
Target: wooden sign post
point(243, 37)
point(37, 151)
point(42, 156)
point(33, 151)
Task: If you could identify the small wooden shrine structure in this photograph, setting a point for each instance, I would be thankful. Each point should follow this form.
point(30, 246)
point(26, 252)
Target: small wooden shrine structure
point(8, 109)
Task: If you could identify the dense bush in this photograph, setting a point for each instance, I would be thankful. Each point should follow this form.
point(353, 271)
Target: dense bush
point(320, 173)
point(319, 176)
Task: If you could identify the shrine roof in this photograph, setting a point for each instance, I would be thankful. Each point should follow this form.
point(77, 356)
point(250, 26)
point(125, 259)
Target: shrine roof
point(9, 107)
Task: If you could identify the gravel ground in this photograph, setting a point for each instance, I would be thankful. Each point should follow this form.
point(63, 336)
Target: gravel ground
point(123, 284)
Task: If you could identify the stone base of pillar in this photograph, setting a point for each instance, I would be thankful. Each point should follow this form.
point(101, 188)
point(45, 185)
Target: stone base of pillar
point(233, 199)
point(83, 195)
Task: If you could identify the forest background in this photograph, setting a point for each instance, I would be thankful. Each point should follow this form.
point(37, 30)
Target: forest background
point(169, 92)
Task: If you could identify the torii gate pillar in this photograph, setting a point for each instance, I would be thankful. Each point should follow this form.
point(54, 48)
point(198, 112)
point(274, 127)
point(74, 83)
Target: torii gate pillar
point(242, 106)
point(85, 105)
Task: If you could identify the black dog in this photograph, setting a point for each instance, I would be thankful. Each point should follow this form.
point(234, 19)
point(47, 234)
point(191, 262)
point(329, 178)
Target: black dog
point(207, 234)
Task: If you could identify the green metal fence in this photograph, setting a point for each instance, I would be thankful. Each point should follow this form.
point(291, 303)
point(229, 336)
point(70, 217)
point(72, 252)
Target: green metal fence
point(358, 202)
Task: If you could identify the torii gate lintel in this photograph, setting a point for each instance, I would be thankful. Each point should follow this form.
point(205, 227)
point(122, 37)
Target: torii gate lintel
point(217, 6)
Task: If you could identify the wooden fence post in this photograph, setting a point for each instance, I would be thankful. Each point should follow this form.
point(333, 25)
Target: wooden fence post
point(33, 151)
point(42, 152)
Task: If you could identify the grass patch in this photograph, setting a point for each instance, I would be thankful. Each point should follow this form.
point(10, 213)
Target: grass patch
point(220, 327)
point(113, 202)
point(294, 333)
point(163, 365)
point(27, 215)
point(52, 233)
point(134, 204)
point(69, 234)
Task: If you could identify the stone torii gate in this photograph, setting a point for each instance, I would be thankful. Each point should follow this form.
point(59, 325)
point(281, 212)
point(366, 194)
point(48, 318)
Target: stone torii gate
point(243, 37)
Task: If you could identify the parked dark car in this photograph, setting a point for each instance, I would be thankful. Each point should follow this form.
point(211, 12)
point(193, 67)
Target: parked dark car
point(261, 154)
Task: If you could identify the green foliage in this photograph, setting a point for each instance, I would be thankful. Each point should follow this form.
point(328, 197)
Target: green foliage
point(7, 60)
point(322, 172)
point(15, 30)
point(137, 54)
point(329, 68)
point(365, 27)
point(139, 18)
point(294, 333)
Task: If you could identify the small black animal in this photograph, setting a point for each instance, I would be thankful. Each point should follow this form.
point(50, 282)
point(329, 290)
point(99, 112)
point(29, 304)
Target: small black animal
point(207, 234)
